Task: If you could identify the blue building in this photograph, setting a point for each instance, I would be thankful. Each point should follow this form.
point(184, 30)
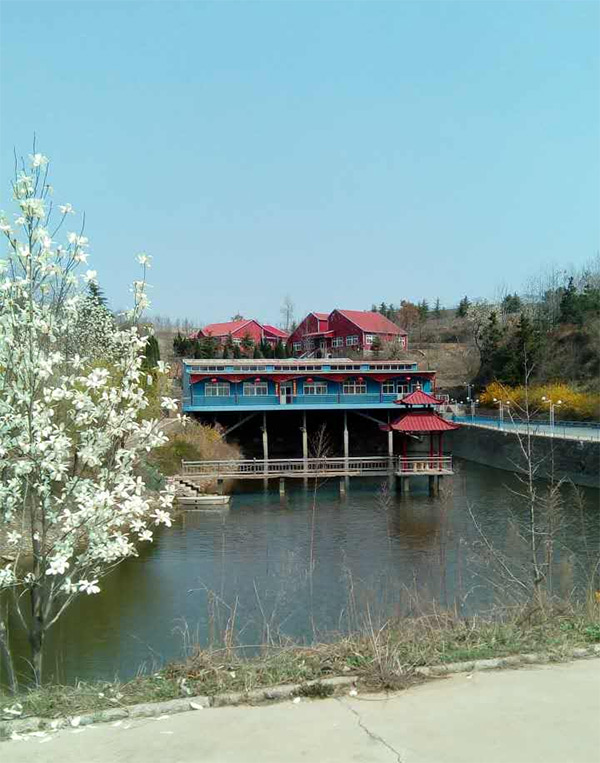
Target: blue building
point(212, 386)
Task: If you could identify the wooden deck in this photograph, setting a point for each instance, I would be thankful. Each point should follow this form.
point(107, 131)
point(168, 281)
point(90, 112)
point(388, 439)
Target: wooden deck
point(376, 466)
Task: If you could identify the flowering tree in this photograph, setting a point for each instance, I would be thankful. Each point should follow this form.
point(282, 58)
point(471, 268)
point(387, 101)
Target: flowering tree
point(72, 431)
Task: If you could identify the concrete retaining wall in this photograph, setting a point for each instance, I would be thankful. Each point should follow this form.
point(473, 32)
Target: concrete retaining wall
point(574, 460)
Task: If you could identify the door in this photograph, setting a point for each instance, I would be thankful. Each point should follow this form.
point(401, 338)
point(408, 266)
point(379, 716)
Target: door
point(286, 392)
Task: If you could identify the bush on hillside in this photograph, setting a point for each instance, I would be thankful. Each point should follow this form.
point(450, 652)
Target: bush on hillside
point(192, 442)
point(576, 404)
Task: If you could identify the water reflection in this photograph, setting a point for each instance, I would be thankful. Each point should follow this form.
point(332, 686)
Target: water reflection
point(284, 567)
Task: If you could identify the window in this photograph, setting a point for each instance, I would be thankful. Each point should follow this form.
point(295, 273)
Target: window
point(350, 340)
point(388, 388)
point(315, 388)
point(403, 389)
point(216, 389)
point(256, 388)
point(297, 346)
point(368, 338)
point(355, 388)
point(337, 341)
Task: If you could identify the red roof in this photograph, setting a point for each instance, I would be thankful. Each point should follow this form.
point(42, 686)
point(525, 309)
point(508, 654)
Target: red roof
point(275, 331)
point(373, 322)
point(419, 421)
point(418, 397)
point(222, 329)
point(321, 316)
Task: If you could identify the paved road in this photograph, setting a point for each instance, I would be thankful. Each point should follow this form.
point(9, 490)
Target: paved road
point(546, 714)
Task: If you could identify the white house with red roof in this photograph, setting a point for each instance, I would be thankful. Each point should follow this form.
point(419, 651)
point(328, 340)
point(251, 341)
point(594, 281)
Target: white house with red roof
point(342, 330)
point(258, 332)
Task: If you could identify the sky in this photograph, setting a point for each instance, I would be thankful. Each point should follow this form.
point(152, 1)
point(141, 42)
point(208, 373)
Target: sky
point(341, 153)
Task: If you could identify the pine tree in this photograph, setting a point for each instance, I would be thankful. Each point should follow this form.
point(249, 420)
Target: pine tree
point(247, 345)
point(97, 294)
point(257, 352)
point(280, 350)
point(423, 308)
point(376, 346)
point(437, 310)
point(237, 353)
point(152, 353)
point(463, 307)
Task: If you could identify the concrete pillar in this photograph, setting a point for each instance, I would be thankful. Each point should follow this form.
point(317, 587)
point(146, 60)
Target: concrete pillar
point(265, 439)
point(433, 485)
point(304, 446)
point(346, 441)
point(219, 486)
point(405, 485)
point(281, 487)
point(343, 486)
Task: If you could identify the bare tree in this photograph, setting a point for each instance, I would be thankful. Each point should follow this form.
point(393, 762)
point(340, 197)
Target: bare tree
point(287, 311)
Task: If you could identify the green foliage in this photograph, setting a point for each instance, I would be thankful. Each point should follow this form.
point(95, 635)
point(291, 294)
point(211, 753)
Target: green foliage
point(280, 350)
point(257, 352)
point(152, 353)
point(423, 308)
point(376, 346)
point(512, 303)
point(437, 309)
point(463, 307)
point(247, 345)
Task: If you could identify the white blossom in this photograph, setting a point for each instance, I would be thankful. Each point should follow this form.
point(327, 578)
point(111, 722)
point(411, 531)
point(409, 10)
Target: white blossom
point(89, 586)
point(38, 160)
point(90, 276)
point(145, 260)
point(66, 209)
point(13, 538)
point(168, 403)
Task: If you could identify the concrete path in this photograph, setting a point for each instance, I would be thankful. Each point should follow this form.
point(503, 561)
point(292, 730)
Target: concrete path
point(546, 714)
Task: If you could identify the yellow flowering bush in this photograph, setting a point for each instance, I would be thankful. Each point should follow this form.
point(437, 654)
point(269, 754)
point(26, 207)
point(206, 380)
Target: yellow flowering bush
point(575, 404)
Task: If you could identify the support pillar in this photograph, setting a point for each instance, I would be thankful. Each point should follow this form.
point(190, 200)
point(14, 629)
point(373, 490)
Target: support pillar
point(346, 441)
point(433, 485)
point(405, 485)
point(265, 439)
point(304, 430)
point(281, 487)
point(220, 486)
point(343, 486)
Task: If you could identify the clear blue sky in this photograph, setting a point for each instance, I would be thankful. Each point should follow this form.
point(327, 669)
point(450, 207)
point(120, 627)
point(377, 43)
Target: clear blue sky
point(342, 152)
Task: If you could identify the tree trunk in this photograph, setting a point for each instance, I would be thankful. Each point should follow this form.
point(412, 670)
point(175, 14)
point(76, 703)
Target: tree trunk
point(7, 657)
point(36, 634)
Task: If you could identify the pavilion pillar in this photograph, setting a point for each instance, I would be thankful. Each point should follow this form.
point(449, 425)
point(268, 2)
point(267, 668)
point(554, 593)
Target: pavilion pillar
point(281, 487)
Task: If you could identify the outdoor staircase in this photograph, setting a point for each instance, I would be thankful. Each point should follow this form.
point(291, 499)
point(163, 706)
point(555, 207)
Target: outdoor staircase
point(186, 488)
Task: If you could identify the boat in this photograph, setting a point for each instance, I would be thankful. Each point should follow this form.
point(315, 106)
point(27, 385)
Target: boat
point(200, 500)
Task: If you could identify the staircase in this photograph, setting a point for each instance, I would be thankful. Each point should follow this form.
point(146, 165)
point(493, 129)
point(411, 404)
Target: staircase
point(186, 488)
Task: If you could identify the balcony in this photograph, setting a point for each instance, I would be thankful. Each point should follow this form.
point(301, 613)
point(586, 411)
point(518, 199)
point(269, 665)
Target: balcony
point(275, 402)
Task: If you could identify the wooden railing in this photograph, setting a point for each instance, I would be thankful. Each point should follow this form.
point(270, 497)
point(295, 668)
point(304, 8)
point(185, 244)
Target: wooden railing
point(318, 467)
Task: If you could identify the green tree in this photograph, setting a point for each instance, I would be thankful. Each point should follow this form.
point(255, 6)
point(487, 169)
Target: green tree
point(437, 309)
point(237, 353)
point(571, 305)
point(247, 345)
point(511, 304)
point(423, 308)
point(257, 352)
point(151, 353)
point(523, 351)
point(492, 356)
point(463, 307)
point(280, 350)
point(228, 346)
point(376, 346)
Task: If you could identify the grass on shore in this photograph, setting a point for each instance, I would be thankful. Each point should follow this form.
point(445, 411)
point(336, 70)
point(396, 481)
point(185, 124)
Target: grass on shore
point(382, 658)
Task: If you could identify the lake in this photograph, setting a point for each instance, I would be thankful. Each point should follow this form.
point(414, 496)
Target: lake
point(304, 566)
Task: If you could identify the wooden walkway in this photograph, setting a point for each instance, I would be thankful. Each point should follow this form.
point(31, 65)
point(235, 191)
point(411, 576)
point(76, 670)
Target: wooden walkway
point(377, 466)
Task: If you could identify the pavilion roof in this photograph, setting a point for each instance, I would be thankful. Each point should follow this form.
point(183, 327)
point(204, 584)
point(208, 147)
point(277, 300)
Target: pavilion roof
point(419, 421)
point(418, 397)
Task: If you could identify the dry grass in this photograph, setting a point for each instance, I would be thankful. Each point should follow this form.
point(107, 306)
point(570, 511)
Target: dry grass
point(382, 658)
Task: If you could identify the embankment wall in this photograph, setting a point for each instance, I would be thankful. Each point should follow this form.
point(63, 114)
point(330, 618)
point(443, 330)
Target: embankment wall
point(578, 461)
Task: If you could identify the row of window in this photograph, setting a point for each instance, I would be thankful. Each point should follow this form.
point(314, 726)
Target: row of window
point(253, 389)
point(336, 367)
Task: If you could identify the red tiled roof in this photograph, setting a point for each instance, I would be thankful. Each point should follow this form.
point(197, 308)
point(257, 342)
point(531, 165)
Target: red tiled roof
point(275, 331)
point(418, 397)
point(222, 329)
point(374, 322)
point(321, 316)
point(419, 421)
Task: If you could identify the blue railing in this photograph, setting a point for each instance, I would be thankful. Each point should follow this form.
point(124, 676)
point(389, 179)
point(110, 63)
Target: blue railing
point(585, 430)
point(261, 401)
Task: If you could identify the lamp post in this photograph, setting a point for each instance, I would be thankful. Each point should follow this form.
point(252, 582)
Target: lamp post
point(553, 406)
point(473, 404)
point(501, 407)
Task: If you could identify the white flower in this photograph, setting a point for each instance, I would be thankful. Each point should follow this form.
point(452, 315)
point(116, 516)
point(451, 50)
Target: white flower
point(58, 566)
point(168, 403)
point(161, 517)
point(90, 275)
point(146, 535)
point(89, 586)
point(144, 259)
point(38, 160)
point(13, 538)
point(7, 576)
point(65, 209)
